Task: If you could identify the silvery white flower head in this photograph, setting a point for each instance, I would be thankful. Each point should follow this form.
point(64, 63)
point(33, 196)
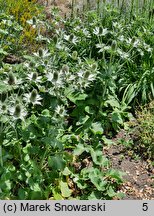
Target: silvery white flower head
point(33, 77)
point(102, 47)
point(123, 54)
point(71, 38)
point(18, 112)
point(117, 25)
point(60, 110)
point(100, 31)
point(42, 53)
point(12, 80)
point(33, 98)
point(55, 77)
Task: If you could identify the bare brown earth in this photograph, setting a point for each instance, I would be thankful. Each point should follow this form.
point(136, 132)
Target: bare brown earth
point(139, 178)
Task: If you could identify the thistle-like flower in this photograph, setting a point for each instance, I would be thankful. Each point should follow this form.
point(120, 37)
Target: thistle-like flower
point(100, 31)
point(18, 112)
point(33, 77)
point(60, 111)
point(33, 97)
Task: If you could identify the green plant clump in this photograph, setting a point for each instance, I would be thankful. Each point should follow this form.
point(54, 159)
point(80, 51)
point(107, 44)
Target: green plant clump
point(64, 102)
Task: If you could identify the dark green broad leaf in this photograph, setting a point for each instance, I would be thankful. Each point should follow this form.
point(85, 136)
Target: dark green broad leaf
point(22, 194)
point(116, 117)
point(96, 128)
point(56, 162)
point(74, 97)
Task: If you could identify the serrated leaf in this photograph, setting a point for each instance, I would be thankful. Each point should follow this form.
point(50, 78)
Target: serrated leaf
point(66, 192)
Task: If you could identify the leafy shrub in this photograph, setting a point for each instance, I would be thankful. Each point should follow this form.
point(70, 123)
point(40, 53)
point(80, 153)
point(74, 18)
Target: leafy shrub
point(145, 123)
point(22, 10)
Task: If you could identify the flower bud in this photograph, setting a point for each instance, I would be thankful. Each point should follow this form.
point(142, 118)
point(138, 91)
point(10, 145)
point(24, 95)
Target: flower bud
point(86, 75)
point(17, 111)
point(34, 20)
point(55, 76)
point(114, 45)
point(71, 37)
point(40, 51)
point(100, 30)
point(11, 80)
point(94, 66)
point(3, 96)
point(65, 69)
point(4, 107)
point(33, 95)
point(74, 55)
point(31, 64)
point(34, 76)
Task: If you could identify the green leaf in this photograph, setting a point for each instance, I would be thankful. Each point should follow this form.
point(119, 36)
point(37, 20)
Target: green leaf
point(56, 162)
point(82, 120)
point(79, 149)
point(74, 97)
point(22, 194)
point(89, 110)
point(66, 171)
point(116, 117)
point(111, 192)
point(98, 158)
point(96, 128)
point(96, 178)
point(66, 192)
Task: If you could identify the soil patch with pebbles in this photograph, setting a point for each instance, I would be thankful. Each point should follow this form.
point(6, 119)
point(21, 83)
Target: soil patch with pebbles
point(138, 181)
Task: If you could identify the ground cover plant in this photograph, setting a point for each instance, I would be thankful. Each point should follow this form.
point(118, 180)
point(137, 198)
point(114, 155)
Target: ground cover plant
point(61, 104)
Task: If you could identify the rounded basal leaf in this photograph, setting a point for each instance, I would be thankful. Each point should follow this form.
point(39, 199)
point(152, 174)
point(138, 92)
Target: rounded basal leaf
point(66, 192)
point(96, 128)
